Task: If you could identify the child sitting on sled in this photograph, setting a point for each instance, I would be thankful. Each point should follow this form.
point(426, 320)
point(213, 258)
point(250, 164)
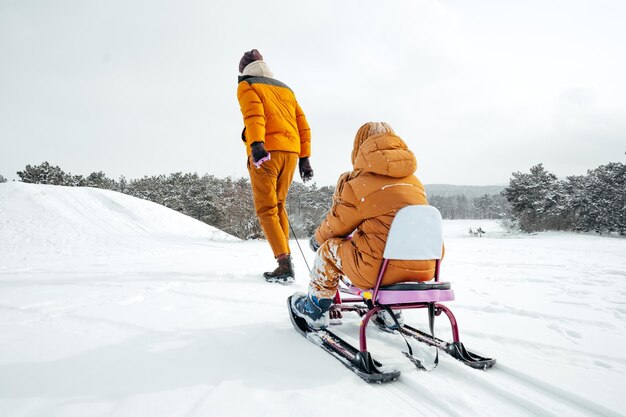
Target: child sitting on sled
point(350, 241)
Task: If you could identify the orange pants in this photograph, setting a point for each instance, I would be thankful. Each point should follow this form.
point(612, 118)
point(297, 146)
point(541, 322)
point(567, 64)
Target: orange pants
point(270, 184)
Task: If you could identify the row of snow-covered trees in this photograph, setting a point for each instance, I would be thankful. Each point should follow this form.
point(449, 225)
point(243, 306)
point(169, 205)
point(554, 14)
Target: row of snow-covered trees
point(227, 203)
point(489, 206)
point(224, 203)
point(593, 202)
point(537, 200)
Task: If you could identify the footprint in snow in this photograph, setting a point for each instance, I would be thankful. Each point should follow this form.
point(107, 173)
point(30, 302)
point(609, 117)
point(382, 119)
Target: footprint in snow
point(573, 334)
point(566, 332)
point(602, 364)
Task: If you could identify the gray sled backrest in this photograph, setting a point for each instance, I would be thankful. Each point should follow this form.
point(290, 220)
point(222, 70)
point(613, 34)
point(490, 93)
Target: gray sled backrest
point(415, 234)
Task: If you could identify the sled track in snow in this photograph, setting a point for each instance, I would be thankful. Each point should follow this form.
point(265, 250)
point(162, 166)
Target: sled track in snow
point(510, 388)
point(412, 392)
point(556, 394)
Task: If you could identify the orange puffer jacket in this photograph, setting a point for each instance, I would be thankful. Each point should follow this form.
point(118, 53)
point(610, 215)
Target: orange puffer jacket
point(365, 202)
point(272, 115)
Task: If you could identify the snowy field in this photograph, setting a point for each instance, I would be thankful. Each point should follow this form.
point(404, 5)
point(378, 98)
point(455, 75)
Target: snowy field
point(113, 306)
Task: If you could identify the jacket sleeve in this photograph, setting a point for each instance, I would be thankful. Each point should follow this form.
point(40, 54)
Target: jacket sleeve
point(343, 217)
point(304, 131)
point(253, 112)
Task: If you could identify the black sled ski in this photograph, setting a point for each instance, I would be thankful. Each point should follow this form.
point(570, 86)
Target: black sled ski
point(361, 363)
point(455, 349)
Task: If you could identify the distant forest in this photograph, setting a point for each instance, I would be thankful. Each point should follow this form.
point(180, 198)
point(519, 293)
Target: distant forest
point(226, 203)
point(595, 202)
point(535, 201)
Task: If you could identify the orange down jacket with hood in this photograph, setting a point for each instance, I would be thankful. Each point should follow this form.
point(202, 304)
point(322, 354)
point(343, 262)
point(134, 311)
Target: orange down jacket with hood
point(271, 113)
point(365, 203)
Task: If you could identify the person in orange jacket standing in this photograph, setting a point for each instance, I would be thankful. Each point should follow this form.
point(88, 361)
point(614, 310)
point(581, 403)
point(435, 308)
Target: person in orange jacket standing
point(350, 241)
point(277, 138)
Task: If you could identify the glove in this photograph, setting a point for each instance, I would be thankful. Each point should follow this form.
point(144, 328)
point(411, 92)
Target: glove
point(306, 172)
point(259, 154)
point(313, 244)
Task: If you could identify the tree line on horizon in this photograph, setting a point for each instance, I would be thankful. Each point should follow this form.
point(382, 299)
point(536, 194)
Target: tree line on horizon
point(595, 202)
point(226, 203)
point(535, 201)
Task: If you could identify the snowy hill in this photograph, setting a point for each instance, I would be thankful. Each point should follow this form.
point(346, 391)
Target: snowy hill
point(75, 217)
point(114, 306)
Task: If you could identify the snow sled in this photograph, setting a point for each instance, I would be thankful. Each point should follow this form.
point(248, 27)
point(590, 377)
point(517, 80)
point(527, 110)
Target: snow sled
point(415, 234)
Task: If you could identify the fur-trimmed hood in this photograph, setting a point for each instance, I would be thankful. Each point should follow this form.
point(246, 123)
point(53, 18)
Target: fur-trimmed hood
point(258, 69)
point(377, 149)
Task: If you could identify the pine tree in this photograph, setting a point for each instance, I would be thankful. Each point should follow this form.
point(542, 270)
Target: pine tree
point(45, 174)
point(123, 184)
point(606, 190)
point(147, 188)
point(577, 205)
point(99, 180)
point(534, 198)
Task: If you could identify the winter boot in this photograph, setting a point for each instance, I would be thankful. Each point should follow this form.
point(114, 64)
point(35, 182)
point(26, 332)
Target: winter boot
point(312, 309)
point(384, 320)
point(283, 274)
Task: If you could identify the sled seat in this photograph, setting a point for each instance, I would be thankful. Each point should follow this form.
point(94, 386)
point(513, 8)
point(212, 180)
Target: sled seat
point(415, 234)
point(407, 292)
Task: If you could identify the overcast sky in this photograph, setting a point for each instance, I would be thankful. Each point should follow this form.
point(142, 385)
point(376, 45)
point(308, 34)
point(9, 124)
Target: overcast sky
point(478, 89)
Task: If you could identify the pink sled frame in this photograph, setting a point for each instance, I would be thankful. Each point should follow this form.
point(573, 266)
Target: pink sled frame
point(415, 234)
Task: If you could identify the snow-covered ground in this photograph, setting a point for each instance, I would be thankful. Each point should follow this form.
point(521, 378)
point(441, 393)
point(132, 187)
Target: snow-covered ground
point(113, 306)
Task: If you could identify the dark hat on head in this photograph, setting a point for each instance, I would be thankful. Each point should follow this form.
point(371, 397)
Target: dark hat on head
point(248, 58)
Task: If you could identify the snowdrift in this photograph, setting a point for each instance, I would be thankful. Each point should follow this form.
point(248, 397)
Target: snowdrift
point(40, 218)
